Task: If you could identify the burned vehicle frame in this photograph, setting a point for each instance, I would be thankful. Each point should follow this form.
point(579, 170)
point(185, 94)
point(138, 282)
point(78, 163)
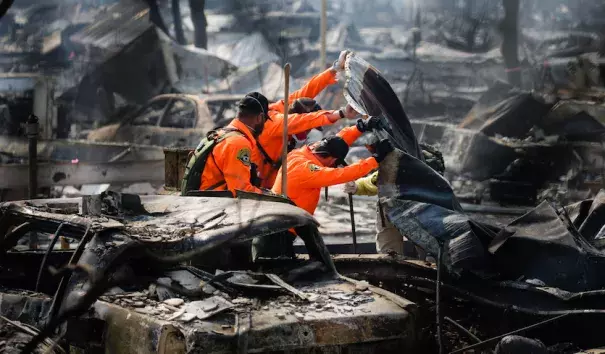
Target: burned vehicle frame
point(123, 286)
point(170, 120)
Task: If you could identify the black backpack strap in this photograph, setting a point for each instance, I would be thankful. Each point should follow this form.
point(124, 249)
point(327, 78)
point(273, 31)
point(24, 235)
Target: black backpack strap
point(274, 164)
point(216, 185)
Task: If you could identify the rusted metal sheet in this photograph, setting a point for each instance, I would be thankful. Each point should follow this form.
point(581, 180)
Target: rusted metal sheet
point(67, 174)
point(175, 163)
point(130, 332)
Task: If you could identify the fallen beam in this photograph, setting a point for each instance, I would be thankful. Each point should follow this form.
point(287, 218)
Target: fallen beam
point(15, 176)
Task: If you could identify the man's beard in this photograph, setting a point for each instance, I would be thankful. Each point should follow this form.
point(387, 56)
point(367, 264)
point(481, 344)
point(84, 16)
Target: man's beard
point(258, 129)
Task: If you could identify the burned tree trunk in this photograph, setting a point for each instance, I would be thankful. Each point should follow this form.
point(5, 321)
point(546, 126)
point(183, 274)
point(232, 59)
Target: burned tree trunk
point(510, 38)
point(199, 22)
point(178, 22)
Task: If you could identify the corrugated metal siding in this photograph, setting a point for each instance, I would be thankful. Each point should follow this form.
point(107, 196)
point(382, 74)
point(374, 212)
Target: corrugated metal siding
point(121, 24)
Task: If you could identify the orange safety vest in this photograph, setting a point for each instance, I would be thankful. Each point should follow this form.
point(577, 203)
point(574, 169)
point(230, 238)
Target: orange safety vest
point(306, 176)
point(270, 140)
point(228, 165)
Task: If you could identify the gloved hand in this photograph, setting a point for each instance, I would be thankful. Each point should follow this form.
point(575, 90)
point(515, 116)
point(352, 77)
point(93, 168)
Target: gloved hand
point(350, 187)
point(339, 64)
point(382, 149)
point(369, 125)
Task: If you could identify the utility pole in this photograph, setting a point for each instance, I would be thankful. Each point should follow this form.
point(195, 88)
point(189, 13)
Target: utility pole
point(178, 22)
point(510, 41)
point(198, 17)
point(31, 129)
point(324, 29)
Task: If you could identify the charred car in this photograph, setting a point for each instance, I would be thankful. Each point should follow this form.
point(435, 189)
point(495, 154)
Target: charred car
point(170, 120)
point(168, 274)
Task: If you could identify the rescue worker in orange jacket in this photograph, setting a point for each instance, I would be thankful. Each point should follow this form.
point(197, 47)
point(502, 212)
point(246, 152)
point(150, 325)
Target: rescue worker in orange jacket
point(228, 165)
point(269, 144)
point(312, 167)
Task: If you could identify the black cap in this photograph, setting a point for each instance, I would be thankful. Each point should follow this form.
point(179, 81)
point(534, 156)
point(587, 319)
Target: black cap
point(305, 105)
point(254, 103)
point(333, 146)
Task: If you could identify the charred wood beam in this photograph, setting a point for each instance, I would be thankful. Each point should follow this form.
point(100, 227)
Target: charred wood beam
point(66, 174)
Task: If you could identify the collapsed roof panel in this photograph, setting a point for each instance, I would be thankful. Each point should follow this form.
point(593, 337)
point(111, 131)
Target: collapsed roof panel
point(121, 24)
point(506, 111)
point(248, 51)
point(267, 78)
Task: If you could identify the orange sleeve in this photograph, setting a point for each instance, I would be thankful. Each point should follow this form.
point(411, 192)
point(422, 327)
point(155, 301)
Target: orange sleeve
point(311, 89)
point(349, 134)
point(297, 122)
point(236, 165)
point(314, 176)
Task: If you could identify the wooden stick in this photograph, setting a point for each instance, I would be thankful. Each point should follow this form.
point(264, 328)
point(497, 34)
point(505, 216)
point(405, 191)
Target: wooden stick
point(284, 151)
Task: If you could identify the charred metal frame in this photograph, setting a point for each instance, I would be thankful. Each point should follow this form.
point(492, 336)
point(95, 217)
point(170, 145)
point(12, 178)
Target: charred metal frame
point(94, 232)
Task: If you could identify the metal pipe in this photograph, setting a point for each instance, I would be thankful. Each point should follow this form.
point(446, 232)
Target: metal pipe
point(75, 257)
point(51, 245)
point(323, 29)
point(464, 330)
point(352, 212)
point(438, 300)
point(32, 136)
point(284, 150)
point(495, 339)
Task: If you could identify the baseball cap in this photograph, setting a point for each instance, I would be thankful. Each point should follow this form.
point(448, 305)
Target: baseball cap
point(333, 146)
point(304, 105)
point(255, 102)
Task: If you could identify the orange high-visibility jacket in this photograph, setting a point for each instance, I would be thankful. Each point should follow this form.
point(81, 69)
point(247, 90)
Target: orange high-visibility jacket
point(306, 176)
point(311, 89)
point(271, 137)
point(228, 165)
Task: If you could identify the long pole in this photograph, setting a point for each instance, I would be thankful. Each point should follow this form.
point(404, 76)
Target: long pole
point(284, 150)
point(32, 136)
point(324, 29)
point(353, 222)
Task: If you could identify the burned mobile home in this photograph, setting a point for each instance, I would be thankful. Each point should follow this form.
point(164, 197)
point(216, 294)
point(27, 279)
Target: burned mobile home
point(122, 259)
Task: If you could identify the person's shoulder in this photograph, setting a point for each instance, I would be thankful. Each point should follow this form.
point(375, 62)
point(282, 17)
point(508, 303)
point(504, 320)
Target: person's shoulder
point(239, 139)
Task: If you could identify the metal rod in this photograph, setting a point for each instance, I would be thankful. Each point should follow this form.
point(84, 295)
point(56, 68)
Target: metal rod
point(75, 257)
point(284, 150)
point(32, 137)
point(323, 29)
point(464, 330)
point(495, 339)
point(48, 251)
point(352, 212)
point(438, 300)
